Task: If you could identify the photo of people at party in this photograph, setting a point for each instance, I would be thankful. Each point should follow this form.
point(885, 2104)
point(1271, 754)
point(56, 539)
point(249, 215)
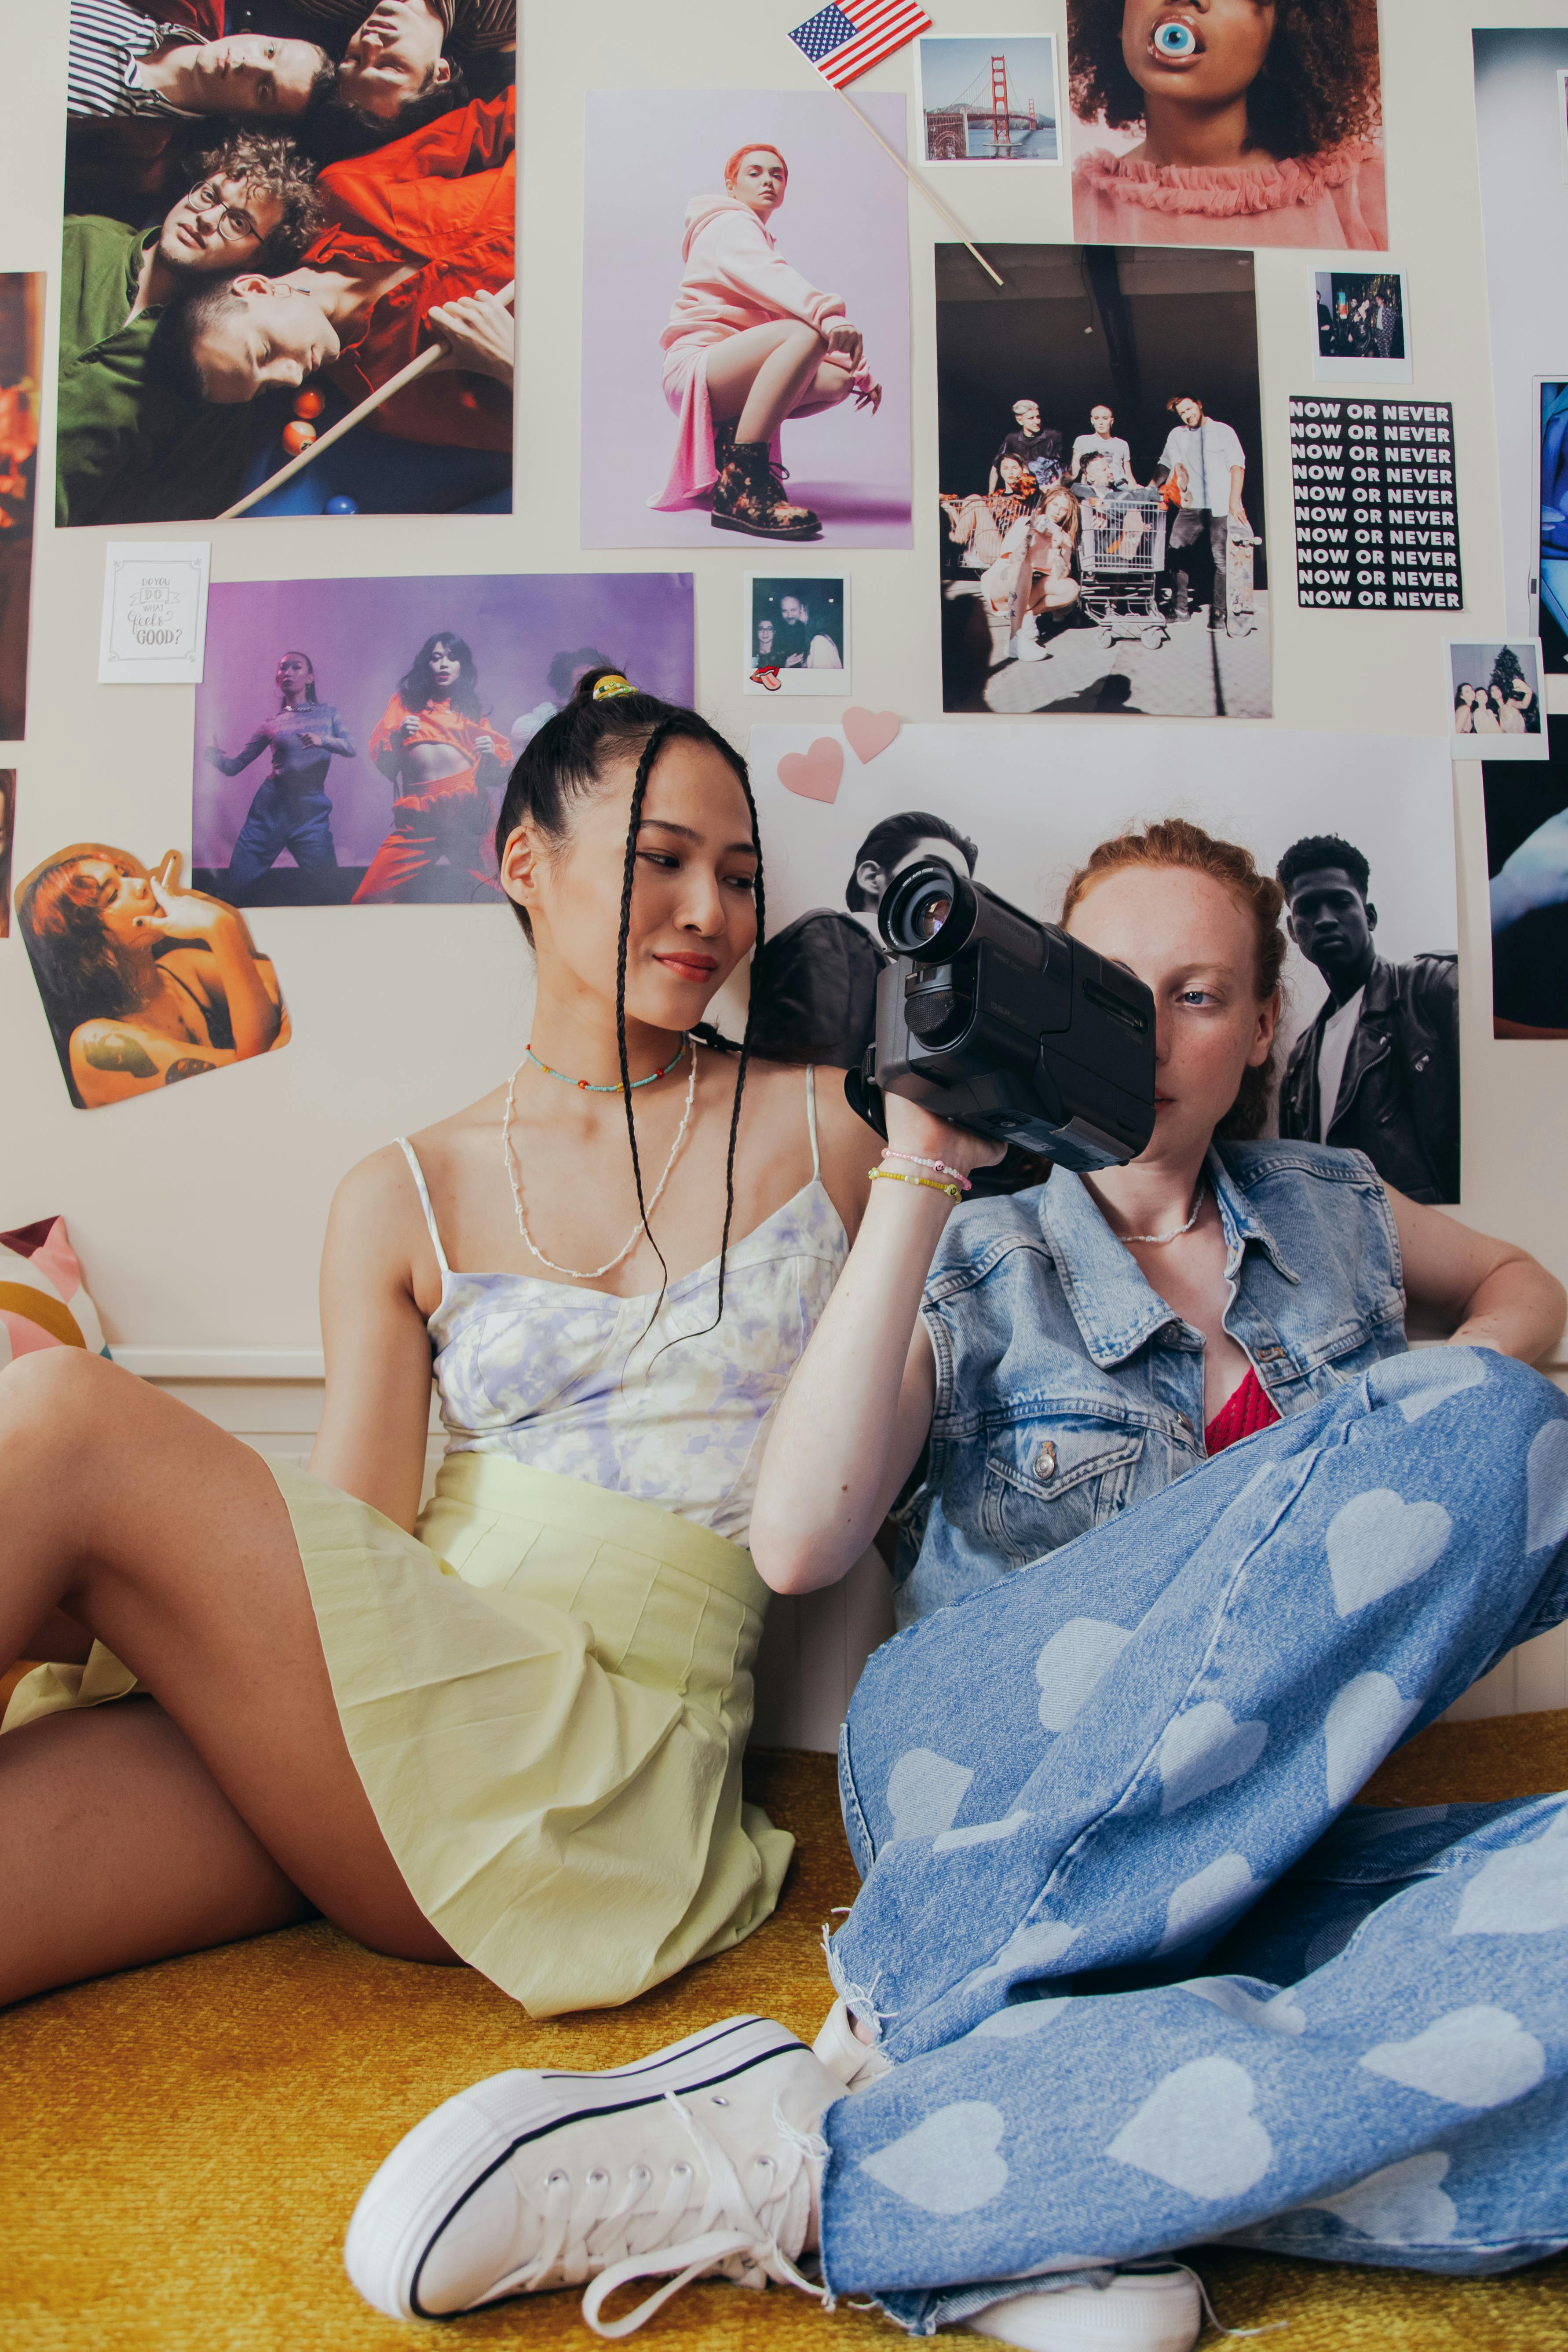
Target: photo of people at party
point(1102, 496)
point(1496, 700)
point(797, 636)
point(753, 245)
point(1527, 871)
point(145, 981)
point(353, 737)
point(1362, 329)
point(21, 343)
point(1227, 122)
point(262, 230)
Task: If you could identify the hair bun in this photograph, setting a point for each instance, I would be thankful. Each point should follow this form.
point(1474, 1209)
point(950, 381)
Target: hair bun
point(588, 688)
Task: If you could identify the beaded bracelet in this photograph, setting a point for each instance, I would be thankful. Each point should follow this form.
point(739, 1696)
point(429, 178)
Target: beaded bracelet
point(894, 1177)
point(937, 1167)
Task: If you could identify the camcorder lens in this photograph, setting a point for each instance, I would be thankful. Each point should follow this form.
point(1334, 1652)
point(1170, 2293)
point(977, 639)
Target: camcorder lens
point(921, 903)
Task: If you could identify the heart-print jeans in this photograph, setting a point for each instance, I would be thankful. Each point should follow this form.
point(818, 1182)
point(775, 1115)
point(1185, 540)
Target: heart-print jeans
point(1146, 1982)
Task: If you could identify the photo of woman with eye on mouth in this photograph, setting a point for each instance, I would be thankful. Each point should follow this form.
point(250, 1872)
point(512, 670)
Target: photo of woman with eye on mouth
point(1227, 123)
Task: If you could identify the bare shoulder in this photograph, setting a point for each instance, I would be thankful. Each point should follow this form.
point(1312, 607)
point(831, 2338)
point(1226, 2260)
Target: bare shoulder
point(845, 1144)
point(375, 1202)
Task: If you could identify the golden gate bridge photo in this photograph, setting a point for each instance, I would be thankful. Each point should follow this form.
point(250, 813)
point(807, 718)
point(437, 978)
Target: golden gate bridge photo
point(989, 102)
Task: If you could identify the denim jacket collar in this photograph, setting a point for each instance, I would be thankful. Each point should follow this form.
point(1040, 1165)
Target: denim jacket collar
point(1116, 1311)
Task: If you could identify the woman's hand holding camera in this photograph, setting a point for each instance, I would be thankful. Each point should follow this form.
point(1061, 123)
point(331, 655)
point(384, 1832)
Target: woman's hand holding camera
point(916, 1131)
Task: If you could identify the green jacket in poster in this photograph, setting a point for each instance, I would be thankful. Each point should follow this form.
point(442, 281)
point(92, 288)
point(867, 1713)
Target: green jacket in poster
point(129, 448)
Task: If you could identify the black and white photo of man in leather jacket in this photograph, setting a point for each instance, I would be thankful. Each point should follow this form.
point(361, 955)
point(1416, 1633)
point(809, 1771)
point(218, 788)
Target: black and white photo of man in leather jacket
point(1378, 1070)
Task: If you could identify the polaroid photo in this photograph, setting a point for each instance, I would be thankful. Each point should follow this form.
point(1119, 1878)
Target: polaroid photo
point(797, 634)
point(1563, 120)
point(1495, 699)
point(989, 99)
point(1360, 327)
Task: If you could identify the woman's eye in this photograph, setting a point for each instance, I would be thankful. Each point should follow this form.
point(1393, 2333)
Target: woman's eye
point(746, 882)
point(660, 858)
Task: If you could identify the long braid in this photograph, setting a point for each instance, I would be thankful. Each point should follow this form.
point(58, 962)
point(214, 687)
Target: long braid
point(650, 753)
point(746, 783)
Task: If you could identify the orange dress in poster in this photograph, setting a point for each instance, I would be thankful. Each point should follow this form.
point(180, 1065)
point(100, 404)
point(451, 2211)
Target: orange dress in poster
point(434, 816)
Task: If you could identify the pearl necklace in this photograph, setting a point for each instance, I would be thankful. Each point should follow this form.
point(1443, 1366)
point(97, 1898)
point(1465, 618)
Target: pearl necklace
point(508, 1157)
point(1177, 1231)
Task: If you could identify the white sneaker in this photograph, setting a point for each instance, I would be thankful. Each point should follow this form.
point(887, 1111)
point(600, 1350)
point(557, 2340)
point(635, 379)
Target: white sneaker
point(703, 2158)
point(1140, 2310)
point(1026, 646)
point(852, 2063)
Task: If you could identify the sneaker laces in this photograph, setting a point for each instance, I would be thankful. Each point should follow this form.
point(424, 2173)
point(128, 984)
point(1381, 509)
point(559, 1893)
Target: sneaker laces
point(731, 2235)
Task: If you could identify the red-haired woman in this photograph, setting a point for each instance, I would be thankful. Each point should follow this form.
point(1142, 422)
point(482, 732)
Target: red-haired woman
point(143, 983)
point(750, 341)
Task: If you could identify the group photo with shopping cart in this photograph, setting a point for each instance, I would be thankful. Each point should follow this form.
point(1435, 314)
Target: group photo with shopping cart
point(1101, 515)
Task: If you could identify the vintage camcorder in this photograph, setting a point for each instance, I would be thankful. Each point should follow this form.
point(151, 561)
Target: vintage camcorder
point(1007, 1026)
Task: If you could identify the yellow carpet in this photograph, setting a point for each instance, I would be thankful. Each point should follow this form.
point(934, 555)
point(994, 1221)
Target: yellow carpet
point(182, 2145)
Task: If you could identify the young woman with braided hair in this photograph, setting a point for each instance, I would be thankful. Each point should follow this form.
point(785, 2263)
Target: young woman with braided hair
point(506, 1727)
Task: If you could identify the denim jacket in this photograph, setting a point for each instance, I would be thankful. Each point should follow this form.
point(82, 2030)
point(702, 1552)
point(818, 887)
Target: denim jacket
point(1066, 1389)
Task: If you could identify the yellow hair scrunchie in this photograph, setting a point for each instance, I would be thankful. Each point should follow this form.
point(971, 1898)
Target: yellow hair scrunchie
point(613, 684)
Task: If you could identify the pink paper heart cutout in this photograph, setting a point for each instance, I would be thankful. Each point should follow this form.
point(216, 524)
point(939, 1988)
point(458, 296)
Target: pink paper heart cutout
point(871, 732)
point(813, 774)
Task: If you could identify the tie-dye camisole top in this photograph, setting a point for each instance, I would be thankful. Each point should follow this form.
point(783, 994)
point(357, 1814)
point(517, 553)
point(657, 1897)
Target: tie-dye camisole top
point(568, 1380)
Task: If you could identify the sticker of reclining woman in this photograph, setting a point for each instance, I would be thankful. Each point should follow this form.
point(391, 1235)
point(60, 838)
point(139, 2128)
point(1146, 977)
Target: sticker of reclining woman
point(291, 810)
point(1227, 123)
point(752, 248)
point(434, 745)
point(143, 982)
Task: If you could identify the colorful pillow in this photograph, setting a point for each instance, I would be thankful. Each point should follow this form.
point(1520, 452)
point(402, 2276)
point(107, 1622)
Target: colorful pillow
point(42, 1301)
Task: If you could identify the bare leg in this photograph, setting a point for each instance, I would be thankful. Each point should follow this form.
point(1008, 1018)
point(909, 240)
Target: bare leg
point(758, 376)
point(116, 1846)
point(171, 1540)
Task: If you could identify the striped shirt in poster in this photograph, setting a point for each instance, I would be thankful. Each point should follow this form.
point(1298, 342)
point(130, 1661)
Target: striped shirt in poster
point(108, 42)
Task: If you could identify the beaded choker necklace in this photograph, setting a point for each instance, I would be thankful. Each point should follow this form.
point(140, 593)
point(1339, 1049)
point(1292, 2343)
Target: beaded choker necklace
point(586, 1085)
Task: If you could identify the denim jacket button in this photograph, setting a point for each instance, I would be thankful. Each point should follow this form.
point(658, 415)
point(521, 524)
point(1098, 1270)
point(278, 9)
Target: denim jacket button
point(1045, 1462)
point(1182, 1422)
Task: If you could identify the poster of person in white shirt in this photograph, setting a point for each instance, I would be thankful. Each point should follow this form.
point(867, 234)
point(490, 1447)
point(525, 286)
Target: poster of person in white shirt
point(1378, 1070)
point(1208, 465)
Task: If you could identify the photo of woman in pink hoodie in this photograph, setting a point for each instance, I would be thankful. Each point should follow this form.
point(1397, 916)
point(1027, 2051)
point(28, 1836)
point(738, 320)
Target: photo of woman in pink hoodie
point(750, 343)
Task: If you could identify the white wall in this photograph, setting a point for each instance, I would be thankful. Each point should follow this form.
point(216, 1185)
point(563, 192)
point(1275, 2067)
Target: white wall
point(198, 1214)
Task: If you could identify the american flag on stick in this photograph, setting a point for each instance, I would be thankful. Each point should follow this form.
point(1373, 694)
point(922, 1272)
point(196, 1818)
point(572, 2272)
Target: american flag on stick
point(844, 43)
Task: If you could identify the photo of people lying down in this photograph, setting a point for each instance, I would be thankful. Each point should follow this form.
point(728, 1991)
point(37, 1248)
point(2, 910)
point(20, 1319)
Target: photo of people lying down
point(262, 229)
point(1189, 1540)
point(1103, 491)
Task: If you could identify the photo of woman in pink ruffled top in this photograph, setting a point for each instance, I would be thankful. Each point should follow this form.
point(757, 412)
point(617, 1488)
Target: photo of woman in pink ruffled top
point(1238, 122)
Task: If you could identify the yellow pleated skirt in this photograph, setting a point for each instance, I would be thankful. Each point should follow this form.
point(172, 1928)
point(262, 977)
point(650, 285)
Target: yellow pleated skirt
point(546, 1691)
